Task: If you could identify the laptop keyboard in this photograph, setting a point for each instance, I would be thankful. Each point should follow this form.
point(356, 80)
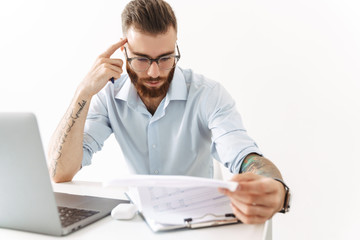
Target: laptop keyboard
point(69, 216)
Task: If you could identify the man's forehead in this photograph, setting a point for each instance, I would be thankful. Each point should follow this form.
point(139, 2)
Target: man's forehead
point(150, 44)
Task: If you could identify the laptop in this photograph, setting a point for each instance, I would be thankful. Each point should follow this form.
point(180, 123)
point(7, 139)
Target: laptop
point(27, 200)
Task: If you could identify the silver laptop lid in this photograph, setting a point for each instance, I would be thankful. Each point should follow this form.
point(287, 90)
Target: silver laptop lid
point(26, 197)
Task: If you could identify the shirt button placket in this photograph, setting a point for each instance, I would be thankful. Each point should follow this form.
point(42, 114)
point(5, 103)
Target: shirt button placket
point(152, 146)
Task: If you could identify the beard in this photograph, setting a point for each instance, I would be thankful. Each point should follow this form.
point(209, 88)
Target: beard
point(145, 91)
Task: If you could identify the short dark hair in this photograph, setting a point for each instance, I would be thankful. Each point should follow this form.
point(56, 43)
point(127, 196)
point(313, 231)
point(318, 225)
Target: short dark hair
point(148, 16)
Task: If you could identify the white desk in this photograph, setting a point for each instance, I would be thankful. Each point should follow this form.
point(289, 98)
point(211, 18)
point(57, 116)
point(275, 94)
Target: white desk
point(107, 228)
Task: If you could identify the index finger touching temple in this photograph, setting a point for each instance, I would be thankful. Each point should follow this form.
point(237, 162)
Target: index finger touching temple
point(110, 51)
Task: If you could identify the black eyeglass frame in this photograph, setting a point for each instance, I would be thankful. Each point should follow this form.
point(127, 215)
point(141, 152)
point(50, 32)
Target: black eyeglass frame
point(177, 58)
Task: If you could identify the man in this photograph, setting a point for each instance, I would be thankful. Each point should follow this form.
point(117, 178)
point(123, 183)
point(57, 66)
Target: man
point(167, 120)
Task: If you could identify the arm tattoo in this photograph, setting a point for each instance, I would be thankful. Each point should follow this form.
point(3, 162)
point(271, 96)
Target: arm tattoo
point(65, 129)
point(260, 165)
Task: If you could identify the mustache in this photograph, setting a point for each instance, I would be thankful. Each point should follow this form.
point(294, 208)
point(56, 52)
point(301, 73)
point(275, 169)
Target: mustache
point(150, 79)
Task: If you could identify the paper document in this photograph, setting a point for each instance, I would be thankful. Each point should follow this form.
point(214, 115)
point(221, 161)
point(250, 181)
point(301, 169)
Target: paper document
point(173, 205)
point(170, 181)
point(170, 202)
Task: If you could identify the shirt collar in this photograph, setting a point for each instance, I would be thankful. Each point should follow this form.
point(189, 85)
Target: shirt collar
point(177, 90)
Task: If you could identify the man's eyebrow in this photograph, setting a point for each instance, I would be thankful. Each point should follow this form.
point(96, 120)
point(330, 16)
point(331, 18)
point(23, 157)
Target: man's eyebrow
point(145, 55)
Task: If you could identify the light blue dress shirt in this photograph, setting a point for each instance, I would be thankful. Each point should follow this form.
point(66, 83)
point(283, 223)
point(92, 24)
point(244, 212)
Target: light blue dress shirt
point(195, 122)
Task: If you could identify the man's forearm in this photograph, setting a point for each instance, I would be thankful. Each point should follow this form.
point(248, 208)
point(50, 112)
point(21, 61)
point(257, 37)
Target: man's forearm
point(260, 165)
point(65, 149)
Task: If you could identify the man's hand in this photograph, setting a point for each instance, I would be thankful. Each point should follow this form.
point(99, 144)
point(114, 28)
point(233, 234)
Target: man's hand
point(103, 69)
point(256, 199)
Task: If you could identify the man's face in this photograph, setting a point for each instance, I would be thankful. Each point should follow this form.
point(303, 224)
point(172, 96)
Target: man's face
point(153, 82)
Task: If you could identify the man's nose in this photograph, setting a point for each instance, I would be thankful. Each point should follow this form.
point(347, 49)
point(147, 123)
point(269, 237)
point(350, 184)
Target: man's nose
point(154, 70)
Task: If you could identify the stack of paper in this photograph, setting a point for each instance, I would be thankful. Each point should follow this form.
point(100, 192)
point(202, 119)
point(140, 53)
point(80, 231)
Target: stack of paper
point(170, 202)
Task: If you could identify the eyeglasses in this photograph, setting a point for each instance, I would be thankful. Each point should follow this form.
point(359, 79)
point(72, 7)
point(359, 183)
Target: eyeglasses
point(142, 64)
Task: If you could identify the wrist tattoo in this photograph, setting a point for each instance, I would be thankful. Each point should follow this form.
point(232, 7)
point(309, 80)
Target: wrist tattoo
point(261, 166)
point(65, 129)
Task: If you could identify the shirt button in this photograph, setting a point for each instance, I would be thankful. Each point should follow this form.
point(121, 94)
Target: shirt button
point(156, 172)
point(154, 146)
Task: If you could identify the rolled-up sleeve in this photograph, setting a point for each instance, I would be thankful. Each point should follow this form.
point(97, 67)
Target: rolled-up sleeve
point(230, 141)
point(97, 128)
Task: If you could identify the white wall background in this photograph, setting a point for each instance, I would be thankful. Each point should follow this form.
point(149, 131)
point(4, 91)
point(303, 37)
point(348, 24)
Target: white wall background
point(292, 67)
